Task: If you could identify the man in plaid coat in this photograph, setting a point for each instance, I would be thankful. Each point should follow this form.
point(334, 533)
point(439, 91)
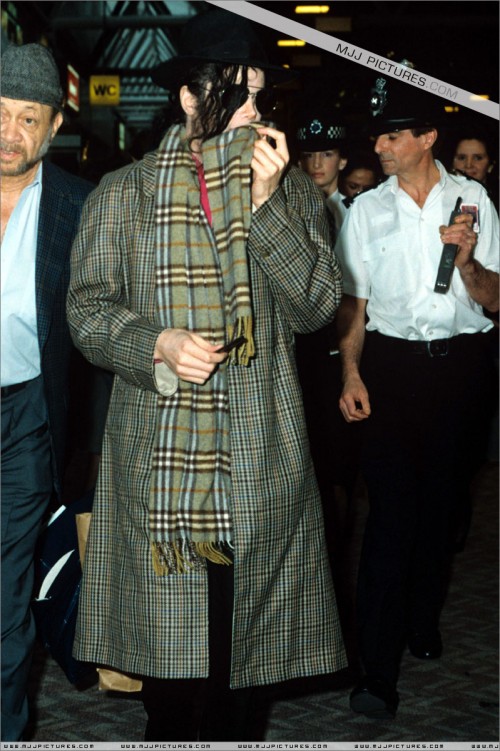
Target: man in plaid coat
point(206, 571)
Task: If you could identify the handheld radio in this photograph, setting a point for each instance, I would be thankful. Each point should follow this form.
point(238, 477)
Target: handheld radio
point(446, 264)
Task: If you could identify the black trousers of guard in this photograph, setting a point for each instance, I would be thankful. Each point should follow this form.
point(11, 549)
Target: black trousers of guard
point(422, 445)
point(203, 709)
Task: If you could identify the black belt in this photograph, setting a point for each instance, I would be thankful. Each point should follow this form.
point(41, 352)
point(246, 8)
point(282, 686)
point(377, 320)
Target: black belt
point(8, 390)
point(432, 348)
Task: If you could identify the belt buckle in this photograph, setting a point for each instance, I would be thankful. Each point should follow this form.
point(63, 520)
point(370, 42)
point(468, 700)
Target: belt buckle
point(437, 347)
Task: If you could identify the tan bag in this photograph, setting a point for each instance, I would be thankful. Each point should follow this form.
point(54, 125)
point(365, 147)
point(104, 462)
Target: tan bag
point(109, 680)
point(82, 531)
point(112, 680)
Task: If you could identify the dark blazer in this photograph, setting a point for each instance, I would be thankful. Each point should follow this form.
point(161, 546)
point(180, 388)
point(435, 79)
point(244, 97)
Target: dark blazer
point(63, 196)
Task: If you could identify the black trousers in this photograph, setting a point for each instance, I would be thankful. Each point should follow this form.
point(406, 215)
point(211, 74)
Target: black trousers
point(27, 484)
point(420, 449)
point(203, 709)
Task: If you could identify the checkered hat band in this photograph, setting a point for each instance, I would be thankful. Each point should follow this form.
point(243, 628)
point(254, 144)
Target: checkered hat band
point(334, 132)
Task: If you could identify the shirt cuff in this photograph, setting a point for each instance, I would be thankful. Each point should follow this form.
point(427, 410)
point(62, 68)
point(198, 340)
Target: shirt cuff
point(165, 380)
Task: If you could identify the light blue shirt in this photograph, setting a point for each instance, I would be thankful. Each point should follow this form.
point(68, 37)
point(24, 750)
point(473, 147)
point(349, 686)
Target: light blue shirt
point(20, 353)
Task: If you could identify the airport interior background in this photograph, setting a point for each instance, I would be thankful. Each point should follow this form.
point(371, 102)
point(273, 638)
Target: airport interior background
point(105, 50)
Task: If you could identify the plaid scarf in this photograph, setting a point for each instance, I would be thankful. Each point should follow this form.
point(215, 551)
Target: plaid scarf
point(201, 285)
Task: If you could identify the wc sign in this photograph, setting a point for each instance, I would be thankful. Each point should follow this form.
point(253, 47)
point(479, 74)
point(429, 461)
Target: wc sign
point(105, 90)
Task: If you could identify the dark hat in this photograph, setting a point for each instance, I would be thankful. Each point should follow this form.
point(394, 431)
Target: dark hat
point(319, 131)
point(29, 73)
point(398, 106)
point(217, 36)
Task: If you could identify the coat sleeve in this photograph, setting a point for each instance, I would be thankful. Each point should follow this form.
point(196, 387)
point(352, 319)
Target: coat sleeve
point(110, 303)
point(289, 239)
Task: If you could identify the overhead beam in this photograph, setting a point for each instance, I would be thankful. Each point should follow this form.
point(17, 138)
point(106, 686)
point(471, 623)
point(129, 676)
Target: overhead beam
point(117, 22)
point(362, 22)
point(106, 70)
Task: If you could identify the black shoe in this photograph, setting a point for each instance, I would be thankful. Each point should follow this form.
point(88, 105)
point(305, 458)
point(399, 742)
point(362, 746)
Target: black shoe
point(374, 698)
point(425, 646)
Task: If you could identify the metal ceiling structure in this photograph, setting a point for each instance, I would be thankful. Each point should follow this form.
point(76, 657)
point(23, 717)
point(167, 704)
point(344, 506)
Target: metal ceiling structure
point(128, 39)
point(125, 38)
point(455, 41)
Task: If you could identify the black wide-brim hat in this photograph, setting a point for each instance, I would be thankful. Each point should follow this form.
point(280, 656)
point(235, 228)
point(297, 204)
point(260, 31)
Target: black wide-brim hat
point(218, 36)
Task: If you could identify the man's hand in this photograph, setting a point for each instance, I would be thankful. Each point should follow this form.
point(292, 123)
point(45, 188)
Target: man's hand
point(481, 283)
point(354, 402)
point(268, 164)
point(460, 233)
point(188, 355)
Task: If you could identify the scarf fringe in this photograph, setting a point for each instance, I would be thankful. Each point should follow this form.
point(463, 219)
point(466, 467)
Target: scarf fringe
point(244, 353)
point(213, 553)
point(181, 557)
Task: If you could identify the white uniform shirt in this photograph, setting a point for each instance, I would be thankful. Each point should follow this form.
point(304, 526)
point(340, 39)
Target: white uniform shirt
point(389, 250)
point(20, 359)
point(335, 205)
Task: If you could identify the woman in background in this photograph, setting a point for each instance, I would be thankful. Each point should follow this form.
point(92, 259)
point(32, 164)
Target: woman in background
point(473, 155)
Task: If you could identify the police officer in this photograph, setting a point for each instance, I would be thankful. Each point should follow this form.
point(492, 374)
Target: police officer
point(417, 374)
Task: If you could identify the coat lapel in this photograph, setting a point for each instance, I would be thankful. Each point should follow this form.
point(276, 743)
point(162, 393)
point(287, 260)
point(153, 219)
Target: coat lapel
point(55, 233)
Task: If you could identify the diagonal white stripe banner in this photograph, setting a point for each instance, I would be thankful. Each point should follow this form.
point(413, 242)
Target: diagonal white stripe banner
point(361, 56)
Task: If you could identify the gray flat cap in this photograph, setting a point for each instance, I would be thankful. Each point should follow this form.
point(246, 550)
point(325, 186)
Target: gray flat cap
point(29, 73)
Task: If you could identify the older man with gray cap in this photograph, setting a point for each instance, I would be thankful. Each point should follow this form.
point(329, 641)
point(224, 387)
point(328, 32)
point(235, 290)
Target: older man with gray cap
point(41, 208)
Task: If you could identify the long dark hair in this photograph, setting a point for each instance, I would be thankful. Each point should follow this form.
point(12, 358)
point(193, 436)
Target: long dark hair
point(208, 82)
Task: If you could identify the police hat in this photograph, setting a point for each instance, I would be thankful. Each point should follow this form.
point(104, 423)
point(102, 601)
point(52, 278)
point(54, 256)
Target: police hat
point(394, 105)
point(320, 131)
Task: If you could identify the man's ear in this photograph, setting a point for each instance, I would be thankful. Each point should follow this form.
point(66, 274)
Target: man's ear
point(188, 101)
point(56, 123)
point(430, 138)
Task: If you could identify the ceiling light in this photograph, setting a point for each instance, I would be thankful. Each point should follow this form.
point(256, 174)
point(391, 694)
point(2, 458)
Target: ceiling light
point(312, 8)
point(291, 43)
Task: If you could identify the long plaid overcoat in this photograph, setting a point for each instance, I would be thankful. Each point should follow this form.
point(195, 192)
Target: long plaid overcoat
point(285, 617)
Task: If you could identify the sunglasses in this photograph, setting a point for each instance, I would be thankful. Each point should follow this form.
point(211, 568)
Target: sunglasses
point(236, 95)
